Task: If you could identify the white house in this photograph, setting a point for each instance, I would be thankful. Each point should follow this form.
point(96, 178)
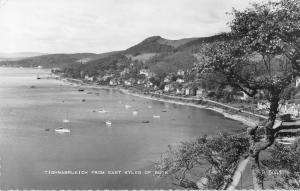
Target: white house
point(297, 81)
point(180, 72)
point(179, 80)
point(169, 87)
point(145, 72)
point(263, 105)
point(88, 78)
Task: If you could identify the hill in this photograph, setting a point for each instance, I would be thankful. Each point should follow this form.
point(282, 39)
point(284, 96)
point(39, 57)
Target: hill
point(156, 53)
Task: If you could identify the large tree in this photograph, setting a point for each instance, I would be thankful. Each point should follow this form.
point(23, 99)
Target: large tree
point(262, 55)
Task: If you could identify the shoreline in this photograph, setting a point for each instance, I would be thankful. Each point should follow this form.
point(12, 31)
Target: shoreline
point(205, 104)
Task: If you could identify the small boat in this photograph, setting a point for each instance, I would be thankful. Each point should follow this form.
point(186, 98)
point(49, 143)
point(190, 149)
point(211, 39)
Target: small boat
point(149, 106)
point(156, 116)
point(102, 111)
point(145, 121)
point(134, 113)
point(66, 121)
point(108, 123)
point(38, 77)
point(80, 89)
point(62, 130)
point(127, 106)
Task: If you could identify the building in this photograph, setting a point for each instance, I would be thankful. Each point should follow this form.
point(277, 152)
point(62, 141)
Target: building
point(263, 105)
point(124, 72)
point(241, 95)
point(180, 91)
point(190, 91)
point(290, 108)
point(89, 78)
point(169, 88)
point(179, 80)
point(145, 72)
point(297, 81)
point(113, 82)
point(200, 92)
point(180, 72)
point(148, 84)
point(129, 82)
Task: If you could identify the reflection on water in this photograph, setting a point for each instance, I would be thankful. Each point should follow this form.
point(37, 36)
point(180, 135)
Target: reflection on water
point(32, 109)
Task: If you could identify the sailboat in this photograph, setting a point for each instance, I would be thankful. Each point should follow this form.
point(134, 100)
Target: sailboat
point(63, 130)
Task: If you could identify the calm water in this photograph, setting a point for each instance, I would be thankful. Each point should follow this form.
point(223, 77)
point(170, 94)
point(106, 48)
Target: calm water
point(27, 150)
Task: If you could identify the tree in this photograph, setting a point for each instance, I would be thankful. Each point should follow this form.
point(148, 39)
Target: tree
point(220, 154)
point(260, 36)
point(287, 159)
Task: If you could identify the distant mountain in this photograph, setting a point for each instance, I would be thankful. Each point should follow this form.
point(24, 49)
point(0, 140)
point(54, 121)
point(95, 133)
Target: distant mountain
point(157, 53)
point(55, 60)
point(16, 55)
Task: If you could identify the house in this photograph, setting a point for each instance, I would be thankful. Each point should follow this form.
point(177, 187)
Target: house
point(167, 79)
point(89, 78)
point(180, 91)
point(297, 81)
point(145, 72)
point(180, 72)
point(200, 92)
point(129, 82)
point(124, 72)
point(179, 80)
point(290, 108)
point(140, 81)
point(241, 95)
point(263, 105)
point(169, 88)
point(113, 82)
point(190, 91)
point(148, 84)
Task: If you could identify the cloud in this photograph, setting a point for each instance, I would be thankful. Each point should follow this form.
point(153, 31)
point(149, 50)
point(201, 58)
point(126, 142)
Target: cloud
point(105, 25)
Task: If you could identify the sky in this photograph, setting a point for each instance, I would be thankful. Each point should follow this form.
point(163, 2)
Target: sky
point(69, 26)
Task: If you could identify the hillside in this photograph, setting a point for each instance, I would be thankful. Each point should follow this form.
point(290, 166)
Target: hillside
point(55, 60)
point(160, 55)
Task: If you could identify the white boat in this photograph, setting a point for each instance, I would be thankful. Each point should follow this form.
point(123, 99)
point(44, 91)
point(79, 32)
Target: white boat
point(149, 106)
point(108, 123)
point(134, 113)
point(62, 130)
point(156, 116)
point(66, 121)
point(102, 111)
point(127, 106)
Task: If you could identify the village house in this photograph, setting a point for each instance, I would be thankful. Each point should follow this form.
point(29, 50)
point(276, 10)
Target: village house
point(145, 72)
point(148, 84)
point(190, 91)
point(179, 80)
point(113, 82)
point(141, 81)
point(129, 82)
point(167, 79)
point(169, 88)
point(180, 72)
point(124, 72)
point(290, 108)
point(89, 78)
point(297, 81)
point(200, 92)
point(180, 91)
point(261, 105)
point(241, 95)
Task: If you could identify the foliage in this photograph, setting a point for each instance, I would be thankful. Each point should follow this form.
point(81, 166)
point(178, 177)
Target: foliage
point(218, 156)
point(284, 162)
